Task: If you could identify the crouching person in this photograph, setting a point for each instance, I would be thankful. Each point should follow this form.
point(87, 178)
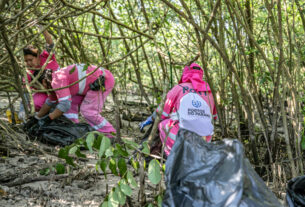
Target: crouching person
point(78, 91)
point(189, 105)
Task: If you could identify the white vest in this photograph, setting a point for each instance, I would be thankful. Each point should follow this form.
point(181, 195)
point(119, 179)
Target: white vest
point(194, 114)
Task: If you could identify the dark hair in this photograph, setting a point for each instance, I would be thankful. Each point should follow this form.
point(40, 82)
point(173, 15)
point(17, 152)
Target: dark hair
point(30, 50)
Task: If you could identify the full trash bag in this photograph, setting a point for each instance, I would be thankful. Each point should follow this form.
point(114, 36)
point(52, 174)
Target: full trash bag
point(60, 131)
point(201, 174)
point(296, 192)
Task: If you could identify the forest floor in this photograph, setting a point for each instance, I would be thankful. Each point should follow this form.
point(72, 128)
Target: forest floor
point(80, 187)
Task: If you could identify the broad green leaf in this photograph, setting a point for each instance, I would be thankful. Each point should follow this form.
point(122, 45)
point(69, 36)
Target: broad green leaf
point(60, 168)
point(131, 179)
point(113, 199)
point(154, 174)
point(130, 144)
point(104, 204)
point(63, 153)
point(150, 205)
point(72, 70)
point(121, 151)
point(112, 166)
point(73, 150)
point(109, 152)
point(79, 154)
point(103, 166)
point(90, 140)
point(122, 167)
point(125, 189)
point(98, 141)
point(121, 195)
point(145, 149)
point(135, 164)
point(69, 161)
point(105, 144)
point(159, 201)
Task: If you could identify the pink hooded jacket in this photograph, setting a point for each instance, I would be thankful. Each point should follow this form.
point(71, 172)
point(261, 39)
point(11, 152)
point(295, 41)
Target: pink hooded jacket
point(190, 82)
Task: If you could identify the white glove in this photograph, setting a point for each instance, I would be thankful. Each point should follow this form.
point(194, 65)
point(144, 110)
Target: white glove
point(21, 116)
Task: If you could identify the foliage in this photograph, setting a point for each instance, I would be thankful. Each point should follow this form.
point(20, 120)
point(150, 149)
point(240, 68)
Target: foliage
point(115, 158)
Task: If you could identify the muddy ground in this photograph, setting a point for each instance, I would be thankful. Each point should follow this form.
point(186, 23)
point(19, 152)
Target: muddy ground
point(80, 187)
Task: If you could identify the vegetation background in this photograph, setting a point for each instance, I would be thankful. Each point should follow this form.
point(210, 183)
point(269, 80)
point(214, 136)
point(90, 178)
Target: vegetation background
point(252, 52)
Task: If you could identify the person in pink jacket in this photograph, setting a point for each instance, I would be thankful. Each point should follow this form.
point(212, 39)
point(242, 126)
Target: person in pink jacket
point(189, 105)
point(81, 87)
point(34, 61)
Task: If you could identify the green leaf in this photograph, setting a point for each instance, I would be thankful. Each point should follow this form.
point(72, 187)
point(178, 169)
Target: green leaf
point(121, 195)
point(72, 70)
point(103, 166)
point(122, 167)
point(63, 153)
point(135, 164)
point(150, 205)
point(79, 154)
point(154, 174)
point(112, 166)
point(125, 189)
point(73, 150)
point(109, 152)
point(303, 142)
point(130, 144)
point(121, 151)
point(105, 144)
point(113, 199)
point(86, 67)
point(60, 168)
point(98, 141)
point(90, 140)
point(159, 201)
point(44, 171)
point(145, 149)
point(69, 161)
point(104, 204)
point(131, 179)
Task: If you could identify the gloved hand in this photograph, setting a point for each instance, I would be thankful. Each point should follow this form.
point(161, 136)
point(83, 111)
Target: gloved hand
point(21, 116)
point(30, 123)
point(148, 121)
point(98, 84)
point(44, 121)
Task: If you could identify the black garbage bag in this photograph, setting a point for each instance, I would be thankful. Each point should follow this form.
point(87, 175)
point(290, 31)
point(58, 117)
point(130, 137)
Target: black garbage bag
point(215, 174)
point(60, 131)
point(296, 192)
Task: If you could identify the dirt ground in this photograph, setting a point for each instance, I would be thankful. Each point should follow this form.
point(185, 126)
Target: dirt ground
point(82, 187)
point(79, 187)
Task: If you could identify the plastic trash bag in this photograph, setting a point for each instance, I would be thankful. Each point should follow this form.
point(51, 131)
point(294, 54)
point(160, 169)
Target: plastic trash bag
point(296, 192)
point(215, 174)
point(60, 131)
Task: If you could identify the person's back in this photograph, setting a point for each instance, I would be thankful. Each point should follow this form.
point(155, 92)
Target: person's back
point(196, 116)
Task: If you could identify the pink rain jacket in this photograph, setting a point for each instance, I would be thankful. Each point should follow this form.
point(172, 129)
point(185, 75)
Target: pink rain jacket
point(191, 82)
point(69, 75)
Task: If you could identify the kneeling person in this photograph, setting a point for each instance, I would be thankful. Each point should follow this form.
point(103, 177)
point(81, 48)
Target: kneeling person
point(87, 95)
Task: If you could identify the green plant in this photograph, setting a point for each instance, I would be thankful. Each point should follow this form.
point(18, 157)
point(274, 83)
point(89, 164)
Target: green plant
point(114, 158)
